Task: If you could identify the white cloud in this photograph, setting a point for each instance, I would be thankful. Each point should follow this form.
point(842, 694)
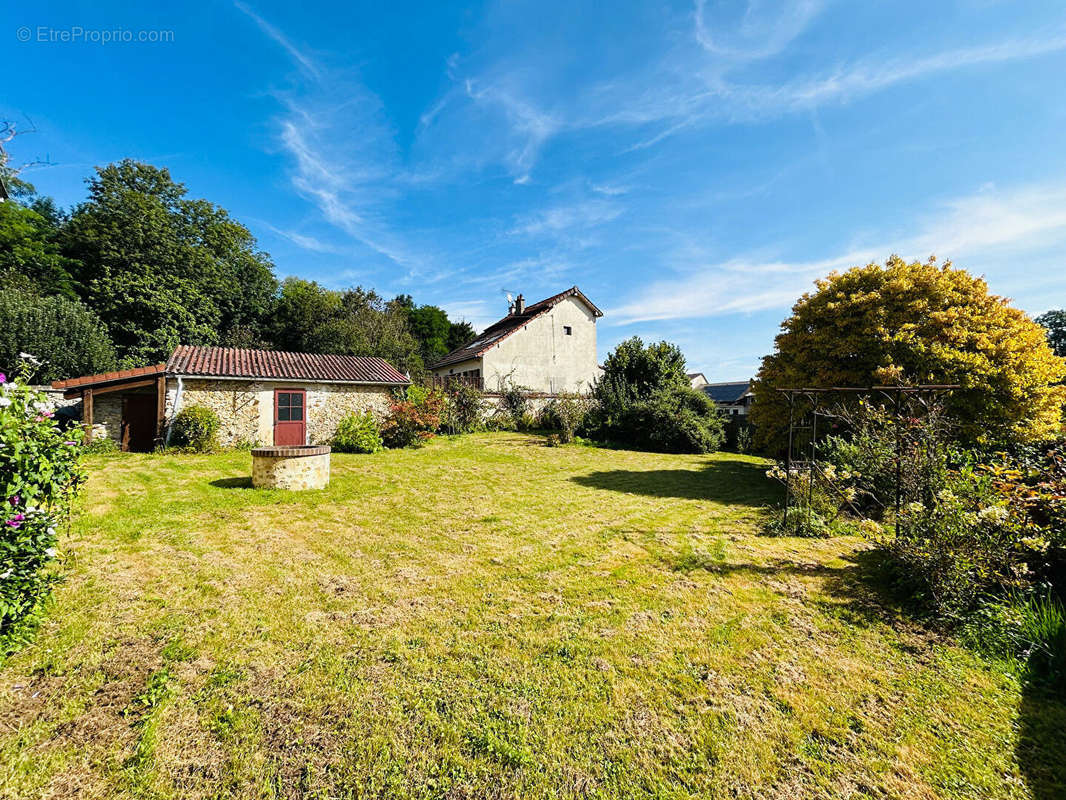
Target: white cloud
point(760, 33)
point(581, 215)
point(303, 61)
point(993, 227)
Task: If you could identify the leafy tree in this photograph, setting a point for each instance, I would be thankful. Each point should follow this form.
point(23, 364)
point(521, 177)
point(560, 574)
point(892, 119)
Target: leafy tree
point(644, 398)
point(161, 269)
point(30, 251)
point(917, 323)
point(633, 372)
point(310, 318)
point(459, 334)
point(1055, 324)
point(65, 336)
point(436, 334)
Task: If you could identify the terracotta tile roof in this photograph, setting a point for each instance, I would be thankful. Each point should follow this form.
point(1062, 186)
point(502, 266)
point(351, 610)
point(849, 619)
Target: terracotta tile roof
point(228, 362)
point(231, 362)
point(500, 330)
point(110, 377)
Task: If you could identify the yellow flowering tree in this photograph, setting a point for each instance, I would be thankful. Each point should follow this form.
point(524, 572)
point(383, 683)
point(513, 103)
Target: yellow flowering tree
point(917, 323)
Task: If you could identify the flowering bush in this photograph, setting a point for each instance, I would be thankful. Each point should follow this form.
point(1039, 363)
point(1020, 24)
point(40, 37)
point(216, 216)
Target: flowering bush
point(358, 433)
point(413, 418)
point(39, 474)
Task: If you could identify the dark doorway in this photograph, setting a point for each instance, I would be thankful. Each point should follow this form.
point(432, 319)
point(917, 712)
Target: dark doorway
point(290, 425)
point(138, 422)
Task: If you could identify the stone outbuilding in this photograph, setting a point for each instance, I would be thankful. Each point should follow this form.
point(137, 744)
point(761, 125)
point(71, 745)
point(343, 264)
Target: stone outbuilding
point(262, 397)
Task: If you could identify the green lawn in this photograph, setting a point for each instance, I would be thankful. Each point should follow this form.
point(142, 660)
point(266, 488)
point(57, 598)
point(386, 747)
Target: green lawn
point(490, 617)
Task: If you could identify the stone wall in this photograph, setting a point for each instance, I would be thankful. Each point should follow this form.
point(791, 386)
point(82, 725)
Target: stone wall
point(246, 408)
point(329, 403)
point(107, 417)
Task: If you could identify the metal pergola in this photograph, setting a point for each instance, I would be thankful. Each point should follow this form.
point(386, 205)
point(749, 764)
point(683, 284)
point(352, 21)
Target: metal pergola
point(898, 398)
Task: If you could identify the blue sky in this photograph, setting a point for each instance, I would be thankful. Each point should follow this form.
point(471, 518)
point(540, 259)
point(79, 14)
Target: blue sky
point(691, 166)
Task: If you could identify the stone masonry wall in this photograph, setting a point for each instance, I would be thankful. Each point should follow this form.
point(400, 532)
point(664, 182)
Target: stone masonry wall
point(246, 408)
point(328, 404)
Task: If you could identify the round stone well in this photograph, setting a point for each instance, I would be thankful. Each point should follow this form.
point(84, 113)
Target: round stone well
point(291, 467)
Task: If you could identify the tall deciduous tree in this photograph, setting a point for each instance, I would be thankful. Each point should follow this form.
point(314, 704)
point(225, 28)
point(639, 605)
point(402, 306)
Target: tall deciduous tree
point(30, 251)
point(311, 318)
point(917, 323)
point(1054, 323)
point(161, 269)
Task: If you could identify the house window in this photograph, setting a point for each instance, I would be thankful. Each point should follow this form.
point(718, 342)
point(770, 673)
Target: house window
point(567, 330)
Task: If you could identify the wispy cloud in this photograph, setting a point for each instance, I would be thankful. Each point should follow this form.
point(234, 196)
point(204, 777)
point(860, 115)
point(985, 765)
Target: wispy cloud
point(760, 33)
point(582, 215)
point(1021, 220)
point(303, 60)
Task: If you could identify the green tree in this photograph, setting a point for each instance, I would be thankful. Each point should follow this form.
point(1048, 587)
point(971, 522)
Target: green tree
point(459, 334)
point(436, 334)
point(30, 251)
point(644, 398)
point(917, 323)
point(1055, 324)
point(313, 319)
point(65, 336)
point(161, 269)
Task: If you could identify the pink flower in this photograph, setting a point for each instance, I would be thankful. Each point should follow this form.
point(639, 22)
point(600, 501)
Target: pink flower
point(3, 378)
point(16, 520)
point(15, 499)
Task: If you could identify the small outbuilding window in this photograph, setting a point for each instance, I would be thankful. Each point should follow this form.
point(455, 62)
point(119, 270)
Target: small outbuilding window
point(567, 330)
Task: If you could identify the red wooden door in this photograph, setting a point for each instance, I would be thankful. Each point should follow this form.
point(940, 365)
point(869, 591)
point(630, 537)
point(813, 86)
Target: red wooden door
point(138, 422)
point(290, 413)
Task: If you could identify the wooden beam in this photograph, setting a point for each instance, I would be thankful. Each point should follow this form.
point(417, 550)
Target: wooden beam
point(87, 415)
point(160, 407)
point(114, 387)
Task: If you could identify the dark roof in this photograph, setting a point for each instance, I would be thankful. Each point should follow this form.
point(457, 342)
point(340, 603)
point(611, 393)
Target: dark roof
point(726, 392)
point(110, 377)
point(232, 362)
point(500, 330)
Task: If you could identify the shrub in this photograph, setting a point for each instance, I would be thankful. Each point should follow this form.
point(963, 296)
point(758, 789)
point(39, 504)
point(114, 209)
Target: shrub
point(195, 429)
point(567, 414)
point(358, 433)
point(413, 418)
point(515, 410)
point(102, 444)
point(465, 407)
point(39, 475)
point(1031, 630)
point(644, 399)
point(67, 338)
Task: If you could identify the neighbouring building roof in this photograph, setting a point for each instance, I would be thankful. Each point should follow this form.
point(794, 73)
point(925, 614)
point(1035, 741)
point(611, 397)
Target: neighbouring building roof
point(726, 392)
point(231, 362)
point(503, 328)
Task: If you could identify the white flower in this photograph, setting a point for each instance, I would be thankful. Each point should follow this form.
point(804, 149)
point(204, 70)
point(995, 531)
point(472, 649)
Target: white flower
point(50, 552)
point(4, 401)
point(993, 514)
point(5, 574)
point(41, 407)
point(30, 358)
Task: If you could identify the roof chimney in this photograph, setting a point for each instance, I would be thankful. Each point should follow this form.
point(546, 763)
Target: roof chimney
point(519, 305)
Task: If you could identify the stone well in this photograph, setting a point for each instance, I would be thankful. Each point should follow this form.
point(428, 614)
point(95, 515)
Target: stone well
point(296, 467)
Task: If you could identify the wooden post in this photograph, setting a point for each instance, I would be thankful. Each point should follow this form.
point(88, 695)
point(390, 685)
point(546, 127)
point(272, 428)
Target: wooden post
point(87, 414)
point(160, 408)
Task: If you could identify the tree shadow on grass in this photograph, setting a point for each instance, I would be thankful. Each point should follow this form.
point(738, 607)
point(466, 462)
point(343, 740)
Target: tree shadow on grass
point(1041, 748)
point(242, 482)
point(732, 482)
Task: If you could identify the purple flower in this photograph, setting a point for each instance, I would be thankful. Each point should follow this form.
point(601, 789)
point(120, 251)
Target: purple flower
point(14, 499)
point(15, 521)
point(3, 378)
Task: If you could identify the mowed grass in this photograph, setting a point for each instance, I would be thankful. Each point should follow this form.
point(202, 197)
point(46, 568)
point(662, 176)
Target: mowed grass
point(490, 617)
